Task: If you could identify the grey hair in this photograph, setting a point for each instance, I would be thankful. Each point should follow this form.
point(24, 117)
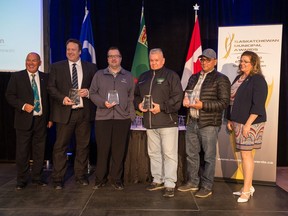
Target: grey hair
point(156, 50)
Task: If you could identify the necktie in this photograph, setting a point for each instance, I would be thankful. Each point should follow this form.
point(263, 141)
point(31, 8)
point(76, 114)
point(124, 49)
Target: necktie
point(74, 77)
point(36, 94)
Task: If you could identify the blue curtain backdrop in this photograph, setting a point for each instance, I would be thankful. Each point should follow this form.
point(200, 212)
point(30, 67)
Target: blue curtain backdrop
point(169, 26)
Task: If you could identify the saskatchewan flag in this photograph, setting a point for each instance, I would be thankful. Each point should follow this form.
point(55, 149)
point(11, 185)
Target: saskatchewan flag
point(140, 61)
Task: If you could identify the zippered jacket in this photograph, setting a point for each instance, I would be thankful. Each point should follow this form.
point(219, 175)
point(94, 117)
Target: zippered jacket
point(215, 96)
point(102, 83)
point(165, 88)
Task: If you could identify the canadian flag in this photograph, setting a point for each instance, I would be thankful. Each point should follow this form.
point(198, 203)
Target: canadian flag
point(192, 64)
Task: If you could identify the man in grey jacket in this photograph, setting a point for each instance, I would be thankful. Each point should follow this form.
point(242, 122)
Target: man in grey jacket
point(211, 95)
point(112, 91)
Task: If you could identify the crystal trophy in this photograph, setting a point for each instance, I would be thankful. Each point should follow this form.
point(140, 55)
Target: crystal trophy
point(190, 95)
point(74, 96)
point(147, 102)
point(113, 97)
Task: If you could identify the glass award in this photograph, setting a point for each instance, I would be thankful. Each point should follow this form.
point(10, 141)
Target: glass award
point(147, 102)
point(74, 96)
point(113, 97)
point(190, 95)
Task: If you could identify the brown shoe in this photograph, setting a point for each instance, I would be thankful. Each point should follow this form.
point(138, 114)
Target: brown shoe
point(155, 186)
point(203, 193)
point(188, 187)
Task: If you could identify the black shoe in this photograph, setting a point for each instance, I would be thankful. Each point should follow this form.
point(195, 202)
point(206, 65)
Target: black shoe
point(20, 186)
point(82, 181)
point(58, 185)
point(169, 192)
point(99, 185)
point(118, 185)
point(39, 183)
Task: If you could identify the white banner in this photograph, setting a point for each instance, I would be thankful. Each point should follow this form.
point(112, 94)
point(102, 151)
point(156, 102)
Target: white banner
point(266, 41)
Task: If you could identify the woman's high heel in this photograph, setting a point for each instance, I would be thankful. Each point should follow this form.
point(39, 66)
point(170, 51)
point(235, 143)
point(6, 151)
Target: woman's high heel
point(246, 197)
point(238, 193)
point(252, 191)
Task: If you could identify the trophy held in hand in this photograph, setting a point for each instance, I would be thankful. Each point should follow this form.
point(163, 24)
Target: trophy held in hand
point(113, 97)
point(147, 102)
point(74, 96)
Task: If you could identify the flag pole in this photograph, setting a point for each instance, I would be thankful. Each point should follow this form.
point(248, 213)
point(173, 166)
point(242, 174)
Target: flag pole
point(86, 8)
point(192, 64)
point(196, 8)
point(142, 11)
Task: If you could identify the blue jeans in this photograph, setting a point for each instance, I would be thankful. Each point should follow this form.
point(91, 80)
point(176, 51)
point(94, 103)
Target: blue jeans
point(195, 139)
point(163, 153)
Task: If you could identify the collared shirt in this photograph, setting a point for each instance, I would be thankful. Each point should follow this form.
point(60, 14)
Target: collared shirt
point(194, 113)
point(114, 73)
point(37, 80)
point(80, 78)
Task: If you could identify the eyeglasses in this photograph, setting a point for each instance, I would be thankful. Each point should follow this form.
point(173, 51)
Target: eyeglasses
point(203, 60)
point(114, 56)
point(243, 61)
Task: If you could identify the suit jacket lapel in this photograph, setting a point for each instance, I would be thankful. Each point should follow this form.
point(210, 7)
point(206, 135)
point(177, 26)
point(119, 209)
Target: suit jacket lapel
point(67, 75)
point(84, 70)
point(42, 84)
point(27, 82)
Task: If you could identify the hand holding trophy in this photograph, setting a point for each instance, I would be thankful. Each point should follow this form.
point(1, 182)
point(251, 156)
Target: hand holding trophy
point(112, 98)
point(147, 102)
point(189, 98)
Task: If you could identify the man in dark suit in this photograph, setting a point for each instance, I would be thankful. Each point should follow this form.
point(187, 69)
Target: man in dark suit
point(27, 93)
point(71, 116)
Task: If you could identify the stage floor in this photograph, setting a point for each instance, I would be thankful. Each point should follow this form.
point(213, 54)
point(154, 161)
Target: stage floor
point(134, 200)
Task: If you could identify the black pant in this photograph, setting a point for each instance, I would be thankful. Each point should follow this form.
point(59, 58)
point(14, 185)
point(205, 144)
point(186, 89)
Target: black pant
point(81, 128)
point(111, 138)
point(31, 141)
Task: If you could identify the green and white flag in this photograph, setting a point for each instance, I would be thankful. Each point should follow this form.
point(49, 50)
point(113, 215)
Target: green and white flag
point(140, 61)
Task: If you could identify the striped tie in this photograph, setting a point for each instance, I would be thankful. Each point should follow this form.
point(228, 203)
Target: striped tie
point(74, 77)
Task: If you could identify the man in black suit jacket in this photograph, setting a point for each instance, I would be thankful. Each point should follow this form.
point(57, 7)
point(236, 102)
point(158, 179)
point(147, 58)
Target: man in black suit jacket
point(71, 117)
point(30, 123)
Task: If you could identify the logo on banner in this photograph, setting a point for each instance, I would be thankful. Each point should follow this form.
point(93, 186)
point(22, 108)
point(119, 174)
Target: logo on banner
point(228, 45)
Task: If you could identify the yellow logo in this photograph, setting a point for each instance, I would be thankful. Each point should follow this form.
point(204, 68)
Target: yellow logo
point(228, 45)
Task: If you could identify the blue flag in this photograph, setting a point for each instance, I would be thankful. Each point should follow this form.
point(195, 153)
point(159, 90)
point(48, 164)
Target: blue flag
point(86, 38)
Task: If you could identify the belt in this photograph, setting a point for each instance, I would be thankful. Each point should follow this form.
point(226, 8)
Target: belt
point(194, 119)
point(77, 109)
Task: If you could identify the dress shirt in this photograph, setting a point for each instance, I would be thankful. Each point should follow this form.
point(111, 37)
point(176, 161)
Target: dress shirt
point(80, 78)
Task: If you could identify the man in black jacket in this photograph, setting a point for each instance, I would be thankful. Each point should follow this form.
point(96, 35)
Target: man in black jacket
point(210, 96)
point(163, 86)
point(71, 116)
point(27, 94)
